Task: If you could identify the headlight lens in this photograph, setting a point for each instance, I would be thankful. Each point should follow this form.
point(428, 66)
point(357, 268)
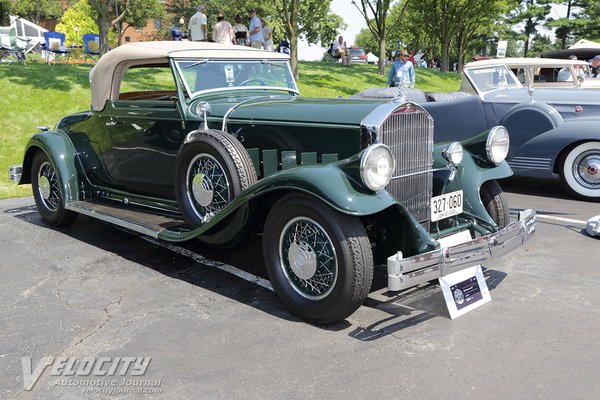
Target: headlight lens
point(497, 144)
point(453, 153)
point(377, 166)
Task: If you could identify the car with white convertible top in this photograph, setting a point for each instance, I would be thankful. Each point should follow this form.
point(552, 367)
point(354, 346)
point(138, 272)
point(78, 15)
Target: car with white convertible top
point(202, 141)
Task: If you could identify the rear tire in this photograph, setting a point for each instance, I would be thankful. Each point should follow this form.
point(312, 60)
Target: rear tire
point(492, 197)
point(47, 192)
point(319, 261)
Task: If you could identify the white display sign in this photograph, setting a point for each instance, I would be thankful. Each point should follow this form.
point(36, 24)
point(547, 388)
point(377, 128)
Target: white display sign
point(501, 52)
point(464, 290)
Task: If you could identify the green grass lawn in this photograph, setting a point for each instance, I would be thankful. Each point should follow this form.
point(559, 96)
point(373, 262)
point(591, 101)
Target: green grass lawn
point(39, 95)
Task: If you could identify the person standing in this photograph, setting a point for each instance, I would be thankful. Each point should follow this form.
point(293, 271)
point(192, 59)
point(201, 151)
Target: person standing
point(595, 66)
point(256, 33)
point(267, 35)
point(340, 50)
point(402, 73)
point(197, 25)
point(223, 31)
point(240, 31)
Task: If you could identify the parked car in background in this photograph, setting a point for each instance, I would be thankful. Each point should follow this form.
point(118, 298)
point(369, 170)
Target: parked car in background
point(554, 131)
point(357, 55)
point(192, 140)
point(548, 72)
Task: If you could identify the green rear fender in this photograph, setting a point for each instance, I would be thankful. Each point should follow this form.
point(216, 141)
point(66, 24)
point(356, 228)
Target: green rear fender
point(61, 153)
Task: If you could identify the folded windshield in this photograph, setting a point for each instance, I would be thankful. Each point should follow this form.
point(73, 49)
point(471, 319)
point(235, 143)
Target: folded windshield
point(201, 75)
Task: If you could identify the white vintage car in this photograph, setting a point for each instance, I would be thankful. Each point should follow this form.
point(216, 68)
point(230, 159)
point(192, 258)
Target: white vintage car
point(546, 72)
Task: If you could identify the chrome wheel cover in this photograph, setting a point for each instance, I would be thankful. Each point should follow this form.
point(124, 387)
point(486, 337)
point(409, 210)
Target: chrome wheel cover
point(48, 186)
point(586, 169)
point(207, 186)
point(307, 258)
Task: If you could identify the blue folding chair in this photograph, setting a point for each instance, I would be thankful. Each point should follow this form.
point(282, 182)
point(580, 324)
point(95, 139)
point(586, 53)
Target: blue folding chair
point(55, 47)
point(91, 47)
point(10, 49)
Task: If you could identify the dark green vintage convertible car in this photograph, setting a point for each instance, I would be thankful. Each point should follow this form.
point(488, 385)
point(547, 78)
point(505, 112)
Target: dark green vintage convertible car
point(210, 142)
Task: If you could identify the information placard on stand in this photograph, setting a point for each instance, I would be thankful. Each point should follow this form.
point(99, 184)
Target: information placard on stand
point(464, 290)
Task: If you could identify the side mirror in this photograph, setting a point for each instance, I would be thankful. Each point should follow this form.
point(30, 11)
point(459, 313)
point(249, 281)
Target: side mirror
point(203, 110)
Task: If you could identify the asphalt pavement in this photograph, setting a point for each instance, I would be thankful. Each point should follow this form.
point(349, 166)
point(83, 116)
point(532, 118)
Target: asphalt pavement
point(92, 291)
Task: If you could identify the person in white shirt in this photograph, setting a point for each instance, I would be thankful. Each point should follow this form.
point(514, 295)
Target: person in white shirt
point(340, 50)
point(197, 25)
point(223, 32)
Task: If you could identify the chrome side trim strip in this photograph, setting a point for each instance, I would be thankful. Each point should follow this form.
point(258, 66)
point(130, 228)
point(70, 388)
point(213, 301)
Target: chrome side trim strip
point(406, 272)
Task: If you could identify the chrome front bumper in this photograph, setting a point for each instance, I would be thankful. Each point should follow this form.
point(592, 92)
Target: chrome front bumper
point(14, 173)
point(406, 272)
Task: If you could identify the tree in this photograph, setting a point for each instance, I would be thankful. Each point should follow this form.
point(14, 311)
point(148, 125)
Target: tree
point(310, 19)
point(103, 10)
point(76, 21)
point(530, 14)
point(375, 13)
point(138, 14)
point(4, 12)
point(35, 10)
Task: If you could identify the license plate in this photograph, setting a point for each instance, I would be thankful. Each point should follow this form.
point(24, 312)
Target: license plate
point(446, 205)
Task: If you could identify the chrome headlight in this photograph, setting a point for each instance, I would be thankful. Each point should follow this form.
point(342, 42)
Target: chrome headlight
point(497, 144)
point(377, 166)
point(453, 153)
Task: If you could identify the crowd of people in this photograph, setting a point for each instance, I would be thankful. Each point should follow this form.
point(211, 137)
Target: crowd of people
point(257, 34)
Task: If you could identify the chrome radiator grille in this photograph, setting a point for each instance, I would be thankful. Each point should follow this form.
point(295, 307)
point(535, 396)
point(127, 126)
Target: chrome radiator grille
point(408, 132)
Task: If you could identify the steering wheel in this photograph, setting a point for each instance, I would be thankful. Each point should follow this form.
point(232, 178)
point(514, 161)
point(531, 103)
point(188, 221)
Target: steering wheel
point(245, 83)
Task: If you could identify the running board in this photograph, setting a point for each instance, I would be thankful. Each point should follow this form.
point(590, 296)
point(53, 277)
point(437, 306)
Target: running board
point(137, 221)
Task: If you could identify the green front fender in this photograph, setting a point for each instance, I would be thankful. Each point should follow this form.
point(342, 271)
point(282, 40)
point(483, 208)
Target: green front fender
point(328, 183)
point(470, 175)
point(61, 153)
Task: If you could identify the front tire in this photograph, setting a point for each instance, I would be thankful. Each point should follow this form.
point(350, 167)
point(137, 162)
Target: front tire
point(492, 197)
point(319, 261)
point(47, 193)
point(580, 171)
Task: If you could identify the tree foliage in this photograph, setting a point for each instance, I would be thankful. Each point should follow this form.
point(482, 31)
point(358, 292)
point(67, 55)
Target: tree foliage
point(35, 10)
point(530, 14)
point(76, 21)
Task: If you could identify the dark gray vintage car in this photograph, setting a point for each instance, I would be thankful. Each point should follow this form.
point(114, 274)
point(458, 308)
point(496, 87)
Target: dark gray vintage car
point(203, 141)
point(553, 132)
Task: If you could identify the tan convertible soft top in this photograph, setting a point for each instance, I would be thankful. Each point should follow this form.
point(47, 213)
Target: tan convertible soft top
point(105, 77)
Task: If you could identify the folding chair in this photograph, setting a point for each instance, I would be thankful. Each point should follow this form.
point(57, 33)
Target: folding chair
point(91, 46)
point(55, 47)
point(10, 48)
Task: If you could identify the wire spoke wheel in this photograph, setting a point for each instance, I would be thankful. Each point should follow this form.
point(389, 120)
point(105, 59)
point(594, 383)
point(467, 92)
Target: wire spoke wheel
point(48, 186)
point(319, 260)
point(308, 258)
point(208, 187)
